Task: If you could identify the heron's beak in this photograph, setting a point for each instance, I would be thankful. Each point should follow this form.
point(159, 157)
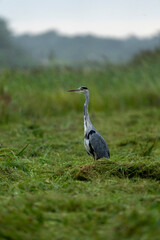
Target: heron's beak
point(74, 90)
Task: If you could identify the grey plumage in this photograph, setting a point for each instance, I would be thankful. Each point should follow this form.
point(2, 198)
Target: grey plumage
point(94, 143)
point(98, 146)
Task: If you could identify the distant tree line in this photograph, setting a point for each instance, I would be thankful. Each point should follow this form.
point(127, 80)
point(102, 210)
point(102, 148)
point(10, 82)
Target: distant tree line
point(84, 49)
point(51, 48)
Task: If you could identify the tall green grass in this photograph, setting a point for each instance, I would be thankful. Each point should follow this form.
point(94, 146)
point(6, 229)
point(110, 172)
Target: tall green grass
point(40, 92)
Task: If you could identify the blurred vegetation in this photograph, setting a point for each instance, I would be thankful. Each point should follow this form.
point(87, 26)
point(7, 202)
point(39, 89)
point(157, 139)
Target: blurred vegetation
point(42, 91)
point(11, 54)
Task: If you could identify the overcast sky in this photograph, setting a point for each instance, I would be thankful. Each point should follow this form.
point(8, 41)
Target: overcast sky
point(116, 18)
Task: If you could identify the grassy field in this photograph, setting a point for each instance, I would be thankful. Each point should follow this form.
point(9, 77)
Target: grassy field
point(49, 187)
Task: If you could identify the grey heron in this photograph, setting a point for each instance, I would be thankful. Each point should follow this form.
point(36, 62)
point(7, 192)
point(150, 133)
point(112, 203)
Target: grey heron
point(94, 143)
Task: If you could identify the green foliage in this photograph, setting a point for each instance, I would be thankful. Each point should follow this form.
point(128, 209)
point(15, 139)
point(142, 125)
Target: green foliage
point(49, 187)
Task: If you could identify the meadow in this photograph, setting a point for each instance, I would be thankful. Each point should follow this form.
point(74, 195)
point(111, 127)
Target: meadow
point(49, 187)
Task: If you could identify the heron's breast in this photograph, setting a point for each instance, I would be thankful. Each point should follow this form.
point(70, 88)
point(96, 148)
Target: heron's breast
point(86, 144)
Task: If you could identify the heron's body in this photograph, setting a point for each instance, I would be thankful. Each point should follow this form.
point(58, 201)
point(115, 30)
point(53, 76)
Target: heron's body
point(94, 143)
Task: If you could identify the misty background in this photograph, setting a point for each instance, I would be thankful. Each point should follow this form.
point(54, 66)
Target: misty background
point(74, 34)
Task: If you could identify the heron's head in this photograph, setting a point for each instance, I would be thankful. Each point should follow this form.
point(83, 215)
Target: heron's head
point(79, 90)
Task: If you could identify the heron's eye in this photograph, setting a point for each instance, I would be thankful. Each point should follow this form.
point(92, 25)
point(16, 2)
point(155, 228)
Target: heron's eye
point(83, 88)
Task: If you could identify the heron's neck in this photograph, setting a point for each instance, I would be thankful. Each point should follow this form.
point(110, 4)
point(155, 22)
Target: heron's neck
point(87, 122)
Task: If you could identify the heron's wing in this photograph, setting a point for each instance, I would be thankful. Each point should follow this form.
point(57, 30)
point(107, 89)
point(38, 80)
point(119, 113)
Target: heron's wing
point(99, 145)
